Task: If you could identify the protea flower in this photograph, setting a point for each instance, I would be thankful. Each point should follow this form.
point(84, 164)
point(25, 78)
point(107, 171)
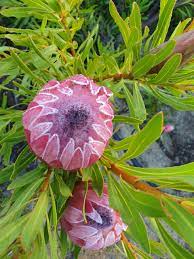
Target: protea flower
point(69, 123)
point(103, 227)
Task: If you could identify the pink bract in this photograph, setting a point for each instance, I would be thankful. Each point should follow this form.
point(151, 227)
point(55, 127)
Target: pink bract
point(104, 225)
point(69, 123)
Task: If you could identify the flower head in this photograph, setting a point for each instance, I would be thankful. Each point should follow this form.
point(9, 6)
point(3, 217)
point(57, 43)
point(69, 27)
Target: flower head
point(69, 123)
point(104, 225)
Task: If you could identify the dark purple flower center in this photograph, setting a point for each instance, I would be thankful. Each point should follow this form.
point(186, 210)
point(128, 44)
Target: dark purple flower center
point(77, 117)
point(106, 217)
point(76, 121)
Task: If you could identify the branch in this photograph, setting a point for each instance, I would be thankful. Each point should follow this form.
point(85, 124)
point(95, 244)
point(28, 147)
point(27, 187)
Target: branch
point(46, 181)
point(115, 77)
point(140, 185)
point(129, 245)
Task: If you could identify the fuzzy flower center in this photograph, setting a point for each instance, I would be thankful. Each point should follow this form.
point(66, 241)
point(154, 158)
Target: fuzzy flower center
point(106, 217)
point(77, 117)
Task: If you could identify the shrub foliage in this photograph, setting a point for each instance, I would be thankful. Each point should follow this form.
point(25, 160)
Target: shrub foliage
point(48, 46)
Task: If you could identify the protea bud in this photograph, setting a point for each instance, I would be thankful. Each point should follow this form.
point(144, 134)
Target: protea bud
point(168, 128)
point(184, 45)
point(104, 225)
point(69, 123)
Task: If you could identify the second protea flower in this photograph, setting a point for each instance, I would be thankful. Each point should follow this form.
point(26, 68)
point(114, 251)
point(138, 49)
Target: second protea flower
point(104, 225)
point(69, 123)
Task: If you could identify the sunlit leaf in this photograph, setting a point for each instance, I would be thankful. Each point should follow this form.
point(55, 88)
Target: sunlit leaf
point(36, 220)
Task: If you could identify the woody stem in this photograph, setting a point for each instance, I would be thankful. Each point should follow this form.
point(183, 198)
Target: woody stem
point(140, 185)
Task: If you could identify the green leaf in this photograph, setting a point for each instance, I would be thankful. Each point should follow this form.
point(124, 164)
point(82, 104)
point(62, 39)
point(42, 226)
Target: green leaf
point(86, 174)
point(159, 173)
point(136, 28)
point(180, 28)
point(143, 66)
point(173, 247)
point(178, 103)
point(52, 239)
point(135, 17)
point(64, 189)
point(167, 70)
point(145, 203)
point(24, 194)
point(36, 220)
point(139, 105)
point(126, 119)
point(10, 232)
point(163, 23)
point(183, 219)
point(40, 249)
point(111, 64)
point(120, 201)
point(5, 174)
point(54, 209)
point(20, 12)
point(29, 177)
point(161, 53)
point(123, 26)
point(143, 139)
point(49, 62)
point(97, 178)
point(38, 4)
point(25, 158)
point(25, 68)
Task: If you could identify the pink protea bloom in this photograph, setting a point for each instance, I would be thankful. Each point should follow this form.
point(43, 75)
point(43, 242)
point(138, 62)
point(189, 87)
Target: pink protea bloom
point(69, 123)
point(104, 225)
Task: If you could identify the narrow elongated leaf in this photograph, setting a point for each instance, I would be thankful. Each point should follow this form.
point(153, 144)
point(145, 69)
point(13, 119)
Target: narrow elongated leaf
point(178, 103)
point(5, 174)
point(129, 100)
point(123, 26)
point(10, 232)
point(25, 68)
point(39, 53)
point(180, 28)
point(143, 65)
point(111, 64)
point(136, 28)
point(145, 203)
point(20, 12)
point(26, 179)
point(139, 105)
point(24, 194)
point(97, 179)
point(164, 52)
point(121, 202)
point(167, 70)
point(144, 138)
point(64, 189)
point(160, 173)
point(126, 119)
point(175, 249)
point(54, 209)
point(52, 239)
point(38, 4)
point(163, 23)
point(184, 220)
point(36, 220)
